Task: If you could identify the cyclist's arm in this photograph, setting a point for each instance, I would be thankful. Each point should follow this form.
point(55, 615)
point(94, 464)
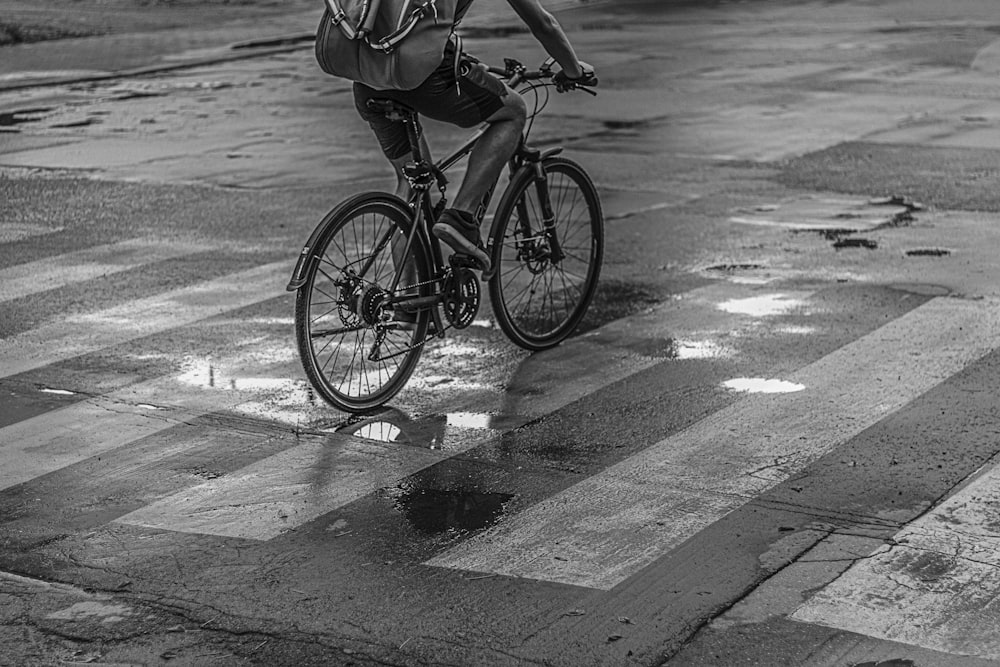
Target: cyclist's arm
point(549, 33)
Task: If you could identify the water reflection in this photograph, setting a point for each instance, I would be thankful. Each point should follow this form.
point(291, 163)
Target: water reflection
point(761, 306)
point(59, 392)
point(763, 386)
point(433, 510)
point(432, 431)
point(449, 496)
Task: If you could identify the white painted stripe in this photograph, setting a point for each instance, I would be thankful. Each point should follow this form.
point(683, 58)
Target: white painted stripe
point(48, 442)
point(608, 527)
point(283, 491)
point(79, 334)
point(279, 493)
point(936, 586)
point(54, 272)
point(11, 232)
point(286, 490)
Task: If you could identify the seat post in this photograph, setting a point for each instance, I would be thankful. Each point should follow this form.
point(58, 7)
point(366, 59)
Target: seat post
point(413, 132)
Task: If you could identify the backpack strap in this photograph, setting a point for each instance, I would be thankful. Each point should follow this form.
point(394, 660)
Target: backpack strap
point(389, 42)
point(368, 22)
point(338, 17)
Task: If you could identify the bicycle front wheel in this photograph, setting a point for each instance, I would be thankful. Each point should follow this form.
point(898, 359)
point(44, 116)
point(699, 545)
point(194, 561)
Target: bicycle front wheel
point(546, 275)
point(357, 351)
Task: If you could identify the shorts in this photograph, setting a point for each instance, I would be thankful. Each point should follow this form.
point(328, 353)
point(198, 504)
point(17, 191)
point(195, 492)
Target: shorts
point(439, 98)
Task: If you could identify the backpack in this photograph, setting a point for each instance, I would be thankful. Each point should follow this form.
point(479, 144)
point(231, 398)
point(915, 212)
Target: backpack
point(385, 44)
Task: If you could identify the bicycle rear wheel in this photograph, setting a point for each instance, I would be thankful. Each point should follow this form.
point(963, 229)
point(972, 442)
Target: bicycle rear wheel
point(544, 280)
point(354, 350)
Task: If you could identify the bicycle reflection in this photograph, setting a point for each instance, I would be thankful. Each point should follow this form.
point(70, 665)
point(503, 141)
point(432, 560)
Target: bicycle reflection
point(448, 497)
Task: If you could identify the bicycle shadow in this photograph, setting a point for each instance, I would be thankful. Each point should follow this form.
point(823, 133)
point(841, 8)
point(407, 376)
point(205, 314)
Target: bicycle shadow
point(473, 487)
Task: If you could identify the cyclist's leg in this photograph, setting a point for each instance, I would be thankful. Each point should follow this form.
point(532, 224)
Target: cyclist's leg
point(394, 141)
point(459, 225)
point(492, 151)
point(476, 97)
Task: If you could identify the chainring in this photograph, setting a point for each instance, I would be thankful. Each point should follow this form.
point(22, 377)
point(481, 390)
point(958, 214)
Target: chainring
point(461, 297)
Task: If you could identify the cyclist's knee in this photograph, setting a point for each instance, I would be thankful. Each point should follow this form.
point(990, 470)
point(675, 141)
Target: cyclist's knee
point(514, 110)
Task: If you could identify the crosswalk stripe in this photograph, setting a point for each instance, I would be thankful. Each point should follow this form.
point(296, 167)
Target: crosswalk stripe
point(602, 530)
point(73, 267)
point(54, 440)
point(284, 491)
point(79, 334)
point(934, 586)
point(92, 427)
point(281, 492)
point(276, 494)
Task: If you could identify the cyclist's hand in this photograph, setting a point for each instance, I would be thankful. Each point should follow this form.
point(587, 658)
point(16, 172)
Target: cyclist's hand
point(564, 83)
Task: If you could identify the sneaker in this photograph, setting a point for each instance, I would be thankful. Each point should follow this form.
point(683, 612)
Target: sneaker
point(459, 230)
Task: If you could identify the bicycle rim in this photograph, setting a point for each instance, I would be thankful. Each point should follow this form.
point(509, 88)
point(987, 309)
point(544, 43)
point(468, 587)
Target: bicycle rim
point(353, 355)
point(538, 299)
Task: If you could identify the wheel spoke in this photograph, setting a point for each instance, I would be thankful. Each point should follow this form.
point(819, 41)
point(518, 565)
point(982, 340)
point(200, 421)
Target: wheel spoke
point(350, 358)
point(540, 302)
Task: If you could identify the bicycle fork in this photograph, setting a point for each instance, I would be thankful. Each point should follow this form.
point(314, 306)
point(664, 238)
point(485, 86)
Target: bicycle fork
point(534, 160)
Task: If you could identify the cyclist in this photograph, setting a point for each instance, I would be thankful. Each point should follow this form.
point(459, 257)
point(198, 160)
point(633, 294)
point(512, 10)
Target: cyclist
point(465, 94)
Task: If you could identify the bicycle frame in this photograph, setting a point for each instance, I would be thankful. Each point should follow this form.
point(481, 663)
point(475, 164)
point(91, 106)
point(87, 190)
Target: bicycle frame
point(422, 175)
point(373, 283)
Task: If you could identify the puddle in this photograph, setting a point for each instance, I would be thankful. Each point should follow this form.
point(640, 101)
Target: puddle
point(14, 118)
point(430, 432)
point(435, 511)
point(134, 95)
point(831, 234)
point(470, 420)
point(796, 330)
point(84, 122)
point(614, 300)
point(81, 611)
point(379, 431)
point(928, 252)
point(840, 244)
point(625, 124)
point(762, 386)
point(209, 376)
point(692, 349)
point(761, 306)
point(60, 392)
point(730, 268)
point(279, 399)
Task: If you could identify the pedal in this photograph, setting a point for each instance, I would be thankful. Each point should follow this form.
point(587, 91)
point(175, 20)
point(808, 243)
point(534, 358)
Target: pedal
point(460, 260)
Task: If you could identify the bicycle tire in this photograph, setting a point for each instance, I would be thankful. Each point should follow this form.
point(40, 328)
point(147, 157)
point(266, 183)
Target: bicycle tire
point(538, 303)
point(339, 313)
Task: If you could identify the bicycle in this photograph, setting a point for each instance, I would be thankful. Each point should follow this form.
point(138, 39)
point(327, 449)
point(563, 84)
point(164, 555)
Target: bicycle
point(371, 285)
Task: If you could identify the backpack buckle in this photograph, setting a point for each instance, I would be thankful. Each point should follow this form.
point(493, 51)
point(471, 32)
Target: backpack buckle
point(338, 17)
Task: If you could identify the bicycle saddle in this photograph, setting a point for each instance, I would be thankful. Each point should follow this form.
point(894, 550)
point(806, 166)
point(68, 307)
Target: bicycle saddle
point(390, 108)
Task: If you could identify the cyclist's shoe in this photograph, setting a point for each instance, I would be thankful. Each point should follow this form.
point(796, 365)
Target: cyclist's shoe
point(459, 230)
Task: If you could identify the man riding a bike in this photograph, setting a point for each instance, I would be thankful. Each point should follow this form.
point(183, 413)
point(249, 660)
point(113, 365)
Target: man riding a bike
point(462, 92)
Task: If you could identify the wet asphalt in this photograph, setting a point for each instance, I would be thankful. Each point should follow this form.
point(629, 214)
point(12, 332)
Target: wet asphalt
point(783, 183)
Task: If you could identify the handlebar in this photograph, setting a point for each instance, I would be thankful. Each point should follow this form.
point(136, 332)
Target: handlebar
point(515, 73)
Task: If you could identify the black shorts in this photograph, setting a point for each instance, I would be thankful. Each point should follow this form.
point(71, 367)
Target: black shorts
point(479, 96)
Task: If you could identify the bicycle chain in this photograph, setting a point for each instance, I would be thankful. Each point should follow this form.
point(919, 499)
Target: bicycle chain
point(426, 339)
